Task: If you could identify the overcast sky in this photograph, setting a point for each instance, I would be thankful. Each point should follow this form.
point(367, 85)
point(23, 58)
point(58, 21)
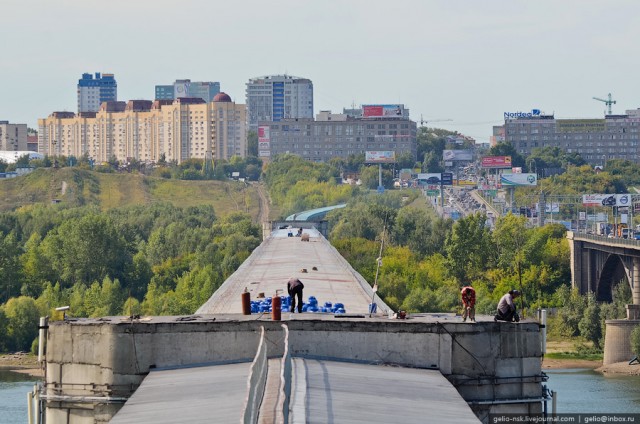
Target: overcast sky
point(467, 61)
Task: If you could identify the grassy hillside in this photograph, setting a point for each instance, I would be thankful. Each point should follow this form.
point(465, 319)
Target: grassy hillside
point(79, 187)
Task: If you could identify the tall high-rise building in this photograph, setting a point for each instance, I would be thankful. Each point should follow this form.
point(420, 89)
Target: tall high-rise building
point(205, 90)
point(92, 92)
point(277, 97)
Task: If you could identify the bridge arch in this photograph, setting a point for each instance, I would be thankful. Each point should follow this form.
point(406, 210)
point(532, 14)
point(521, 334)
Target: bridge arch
point(599, 263)
point(613, 272)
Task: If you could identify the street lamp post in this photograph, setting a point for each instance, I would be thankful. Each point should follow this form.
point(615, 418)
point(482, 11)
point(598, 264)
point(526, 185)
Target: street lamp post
point(535, 166)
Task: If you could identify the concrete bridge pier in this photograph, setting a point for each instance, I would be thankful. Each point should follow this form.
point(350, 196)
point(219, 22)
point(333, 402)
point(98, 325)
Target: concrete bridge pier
point(617, 339)
point(635, 286)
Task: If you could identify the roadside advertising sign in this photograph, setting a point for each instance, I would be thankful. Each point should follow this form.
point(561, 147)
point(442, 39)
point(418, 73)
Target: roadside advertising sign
point(447, 178)
point(430, 179)
point(380, 156)
point(496, 162)
point(263, 134)
point(518, 180)
point(450, 155)
point(606, 199)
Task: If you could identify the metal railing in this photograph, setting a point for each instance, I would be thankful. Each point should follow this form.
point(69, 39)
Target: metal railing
point(616, 241)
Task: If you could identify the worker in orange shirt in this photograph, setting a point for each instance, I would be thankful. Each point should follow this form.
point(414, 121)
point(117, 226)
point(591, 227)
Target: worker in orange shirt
point(468, 303)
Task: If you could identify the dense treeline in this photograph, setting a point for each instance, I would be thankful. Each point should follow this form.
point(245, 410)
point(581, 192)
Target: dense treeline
point(154, 260)
point(191, 169)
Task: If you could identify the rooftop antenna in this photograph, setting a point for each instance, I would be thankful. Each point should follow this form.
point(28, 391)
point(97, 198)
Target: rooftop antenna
point(607, 102)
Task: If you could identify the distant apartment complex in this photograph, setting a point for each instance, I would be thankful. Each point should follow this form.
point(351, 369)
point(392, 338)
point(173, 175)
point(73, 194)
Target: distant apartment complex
point(596, 140)
point(13, 137)
point(186, 88)
point(276, 97)
point(144, 130)
point(92, 92)
point(380, 128)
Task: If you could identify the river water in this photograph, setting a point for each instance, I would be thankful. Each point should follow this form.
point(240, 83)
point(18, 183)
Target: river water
point(585, 391)
point(13, 396)
point(578, 390)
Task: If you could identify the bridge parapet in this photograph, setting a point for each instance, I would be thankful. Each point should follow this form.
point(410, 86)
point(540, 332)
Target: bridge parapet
point(490, 364)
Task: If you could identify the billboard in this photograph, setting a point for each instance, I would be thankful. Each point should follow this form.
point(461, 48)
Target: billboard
point(580, 125)
point(496, 162)
point(606, 199)
point(263, 134)
point(451, 155)
point(380, 157)
point(429, 179)
point(382, 111)
point(510, 180)
point(263, 145)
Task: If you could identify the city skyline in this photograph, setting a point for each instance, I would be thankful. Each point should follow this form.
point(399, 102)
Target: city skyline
point(465, 61)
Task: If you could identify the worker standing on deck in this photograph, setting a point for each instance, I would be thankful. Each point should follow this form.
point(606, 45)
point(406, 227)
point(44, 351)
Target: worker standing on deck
point(468, 303)
point(294, 287)
point(507, 308)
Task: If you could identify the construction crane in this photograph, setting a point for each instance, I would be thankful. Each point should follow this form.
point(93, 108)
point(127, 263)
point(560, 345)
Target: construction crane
point(423, 121)
point(608, 102)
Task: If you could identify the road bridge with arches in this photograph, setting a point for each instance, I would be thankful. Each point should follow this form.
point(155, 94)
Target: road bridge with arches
point(599, 263)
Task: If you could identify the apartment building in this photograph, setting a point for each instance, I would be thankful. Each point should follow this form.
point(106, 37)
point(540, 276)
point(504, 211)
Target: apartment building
point(340, 135)
point(13, 137)
point(144, 130)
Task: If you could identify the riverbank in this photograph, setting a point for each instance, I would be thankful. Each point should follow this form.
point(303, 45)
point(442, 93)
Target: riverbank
point(21, 362)
point(620, 368)
point(553, 363)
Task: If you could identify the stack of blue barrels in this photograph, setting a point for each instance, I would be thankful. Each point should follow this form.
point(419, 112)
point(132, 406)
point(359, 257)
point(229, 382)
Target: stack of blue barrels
point(264, 306)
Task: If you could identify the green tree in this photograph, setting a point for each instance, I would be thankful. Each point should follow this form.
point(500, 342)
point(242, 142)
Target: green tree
point(36, 268)
point(10, 267)
point(371, 179)
point(468, 248)
point(589, 326)
point(252, 143)
point(419, 230)
point(22, 322)
point(3, 330)
point(635, 340)
point(87, 249)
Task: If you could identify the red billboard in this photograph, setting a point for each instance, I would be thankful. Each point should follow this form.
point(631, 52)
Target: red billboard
point(496, 162)
point(382, 111)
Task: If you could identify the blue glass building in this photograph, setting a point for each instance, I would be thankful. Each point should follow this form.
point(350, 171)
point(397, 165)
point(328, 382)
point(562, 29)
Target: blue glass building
point(93, 91)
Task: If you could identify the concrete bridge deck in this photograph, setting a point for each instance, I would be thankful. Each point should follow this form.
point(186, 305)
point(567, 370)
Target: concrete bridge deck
point(328, 276)
point(304, 368)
